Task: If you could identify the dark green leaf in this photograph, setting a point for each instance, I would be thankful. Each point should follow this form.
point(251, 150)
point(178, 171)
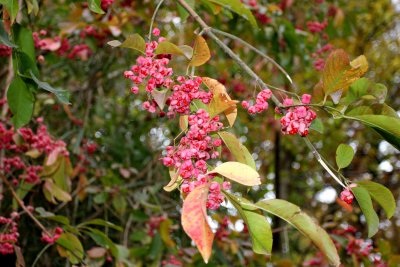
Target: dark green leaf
point(365, 202)
point(23, 38)
point(102, 240)
point(101, 222)
point(62, 95)
point(73, 247)
point(317, 125)
point(20, 101)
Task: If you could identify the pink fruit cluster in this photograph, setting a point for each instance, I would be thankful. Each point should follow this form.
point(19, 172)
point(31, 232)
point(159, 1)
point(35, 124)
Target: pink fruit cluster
point(16, 144)
point(347, 196)
point(297, 120)
point(261, 102)
point(316, 27)
point(9, 235)
point(5, 51)
point(52, 239)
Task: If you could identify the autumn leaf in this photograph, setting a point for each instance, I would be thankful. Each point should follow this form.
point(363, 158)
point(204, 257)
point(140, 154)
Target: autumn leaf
point(221, 101)
point(339, 73)
point(201, 52)
point(194, 221)
point(238, 172)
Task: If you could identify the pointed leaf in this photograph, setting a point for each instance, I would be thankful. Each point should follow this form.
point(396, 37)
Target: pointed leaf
point(238, 172)
point(302, 222)
point(95, 6)
point(201, 52)
point(382, 195)
point(258, 226)
point(194, 221)
point(21, 101)
point(54, 191)
point(344, 155)
point(239, 8)
point(168, 48)
point(62, 95)
point(238, 150)
point(71, 246)
point(365, 202)
point(135, 42)
point(160, 97)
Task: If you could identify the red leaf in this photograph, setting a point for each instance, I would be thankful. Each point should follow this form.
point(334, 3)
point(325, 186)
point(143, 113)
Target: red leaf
point(194, 221)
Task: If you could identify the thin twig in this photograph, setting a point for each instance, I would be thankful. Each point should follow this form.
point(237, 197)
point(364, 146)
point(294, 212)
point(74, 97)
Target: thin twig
point(153, 18)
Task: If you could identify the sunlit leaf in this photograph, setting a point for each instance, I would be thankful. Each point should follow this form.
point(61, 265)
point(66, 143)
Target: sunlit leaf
point(183, 122)
point(382, 195)
point(201, 52)
point(238, 150)
point(194, 221)
point(52, 192)
point(238, 172)
point(302, 222)
point(344, 155)
point(33, 6)
point(365, 202)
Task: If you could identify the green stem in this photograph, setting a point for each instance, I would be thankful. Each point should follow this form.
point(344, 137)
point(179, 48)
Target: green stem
point(40, 254)
point(153, 18)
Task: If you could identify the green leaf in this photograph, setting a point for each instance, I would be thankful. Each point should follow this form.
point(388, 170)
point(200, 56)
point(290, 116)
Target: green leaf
point(238, 172)
point(364, 87)
point(33, 6)
point(387, 127)
point(238, 150)
point(136, 42)
point(317, 125)
point(101, 222)
point(103, 240)
point(239, 8)
point(73, 247)
point(23, 38)
point(382, 195)
point(21, 101)
point(302, 222)
point(62, 95)
point(12, 7)
point(365, 202)
point(258, 225)
point(344, 155)
point(4, 38)
point(168, 48)
point(95, 6)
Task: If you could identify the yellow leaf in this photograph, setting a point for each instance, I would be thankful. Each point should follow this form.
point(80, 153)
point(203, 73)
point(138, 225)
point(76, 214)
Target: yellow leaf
point(238, 172)
point(201, 52)
point(221, 101)
point(175, 180)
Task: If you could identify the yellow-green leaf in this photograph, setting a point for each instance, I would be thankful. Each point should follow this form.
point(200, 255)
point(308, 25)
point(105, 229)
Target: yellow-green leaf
point(238, 172)
point(168, 48)
point(134, 41)
point(201, 52)
point(344, 155)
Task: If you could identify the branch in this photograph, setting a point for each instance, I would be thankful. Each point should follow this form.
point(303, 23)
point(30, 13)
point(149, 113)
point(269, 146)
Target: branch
point(209, 31)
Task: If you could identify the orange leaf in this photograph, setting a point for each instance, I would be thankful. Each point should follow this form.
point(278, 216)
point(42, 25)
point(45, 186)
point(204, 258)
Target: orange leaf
point(194, 221)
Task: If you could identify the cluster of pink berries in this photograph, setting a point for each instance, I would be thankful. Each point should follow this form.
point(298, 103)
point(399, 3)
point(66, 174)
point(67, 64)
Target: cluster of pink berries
point(5, 51)
point(17, 144)
point(297, 120)
point(9, 234)
point(184, 92)
point(190, 156)
point(261, 102)
point(347, 196)
point(316, 27)
point(52, 239)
